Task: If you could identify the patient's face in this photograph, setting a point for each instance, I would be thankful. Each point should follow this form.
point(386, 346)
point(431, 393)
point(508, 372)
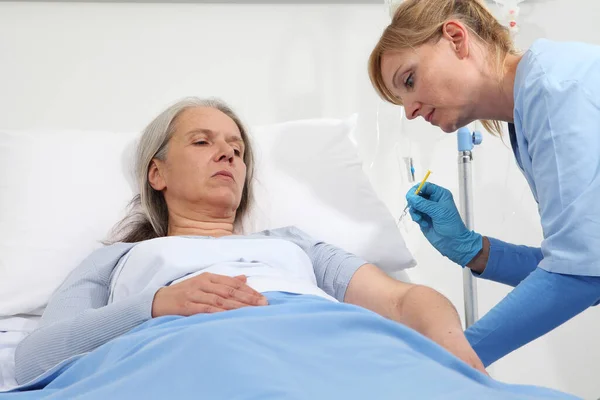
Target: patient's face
point(204, 168)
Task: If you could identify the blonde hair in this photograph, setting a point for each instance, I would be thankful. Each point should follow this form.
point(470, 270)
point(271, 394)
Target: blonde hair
point(148, 216)
point(417, 22)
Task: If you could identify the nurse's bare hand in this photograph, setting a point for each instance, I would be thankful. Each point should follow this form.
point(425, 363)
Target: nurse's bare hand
point(205, 293)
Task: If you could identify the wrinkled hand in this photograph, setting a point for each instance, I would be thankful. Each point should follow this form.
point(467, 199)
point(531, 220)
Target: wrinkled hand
point(205, 293)
point(435, 212)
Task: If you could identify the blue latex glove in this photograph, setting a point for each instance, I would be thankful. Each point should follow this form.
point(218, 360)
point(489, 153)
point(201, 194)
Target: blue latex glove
point(435, 212)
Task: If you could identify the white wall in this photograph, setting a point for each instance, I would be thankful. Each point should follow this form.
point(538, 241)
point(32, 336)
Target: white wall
point(114, 66)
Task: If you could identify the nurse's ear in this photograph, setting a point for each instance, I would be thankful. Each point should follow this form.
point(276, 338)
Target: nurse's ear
point(457, 35)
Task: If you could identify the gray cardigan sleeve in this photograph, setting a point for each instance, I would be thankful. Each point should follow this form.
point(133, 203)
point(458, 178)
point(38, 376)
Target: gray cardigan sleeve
point(77, 319)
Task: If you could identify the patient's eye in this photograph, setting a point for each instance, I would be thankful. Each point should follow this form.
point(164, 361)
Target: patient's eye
point(200, 142)
point(409, 83)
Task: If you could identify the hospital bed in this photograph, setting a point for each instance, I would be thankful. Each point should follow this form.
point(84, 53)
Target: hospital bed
point(322, 190)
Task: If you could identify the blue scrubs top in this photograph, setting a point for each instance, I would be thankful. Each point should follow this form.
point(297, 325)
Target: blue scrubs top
point(556, 141)
point(557, 121)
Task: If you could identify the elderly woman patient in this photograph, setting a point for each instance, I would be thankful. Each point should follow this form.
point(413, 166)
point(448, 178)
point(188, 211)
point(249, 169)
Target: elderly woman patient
point(180, 303)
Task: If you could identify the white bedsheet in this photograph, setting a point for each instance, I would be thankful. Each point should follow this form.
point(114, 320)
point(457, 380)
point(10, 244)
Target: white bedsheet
point(12, 331)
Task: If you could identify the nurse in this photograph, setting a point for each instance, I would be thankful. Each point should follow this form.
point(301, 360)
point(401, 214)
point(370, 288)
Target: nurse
point(451, 62)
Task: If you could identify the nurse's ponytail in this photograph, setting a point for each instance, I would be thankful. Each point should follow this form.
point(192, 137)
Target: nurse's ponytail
point(417, 22)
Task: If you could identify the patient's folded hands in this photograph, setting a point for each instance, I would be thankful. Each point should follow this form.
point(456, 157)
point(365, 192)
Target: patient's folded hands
point(205, 293)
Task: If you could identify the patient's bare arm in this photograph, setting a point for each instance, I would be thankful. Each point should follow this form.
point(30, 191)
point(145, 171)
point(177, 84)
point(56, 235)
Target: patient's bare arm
point(418, 307)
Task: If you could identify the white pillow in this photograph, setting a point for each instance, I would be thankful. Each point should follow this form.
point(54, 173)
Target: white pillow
point(308, 174)
point(61, 192)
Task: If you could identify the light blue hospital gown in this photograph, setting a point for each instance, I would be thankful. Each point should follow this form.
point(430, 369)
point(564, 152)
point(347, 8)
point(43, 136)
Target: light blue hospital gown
point(556, 141)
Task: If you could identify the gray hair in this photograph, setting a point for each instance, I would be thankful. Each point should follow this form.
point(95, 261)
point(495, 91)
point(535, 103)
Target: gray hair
point(148, 216)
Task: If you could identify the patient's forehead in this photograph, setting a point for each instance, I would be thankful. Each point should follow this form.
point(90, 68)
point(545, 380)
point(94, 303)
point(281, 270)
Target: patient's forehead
point(205, 118)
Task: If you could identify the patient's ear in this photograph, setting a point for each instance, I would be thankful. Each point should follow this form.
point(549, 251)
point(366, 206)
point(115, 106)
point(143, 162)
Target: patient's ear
point(155, 177)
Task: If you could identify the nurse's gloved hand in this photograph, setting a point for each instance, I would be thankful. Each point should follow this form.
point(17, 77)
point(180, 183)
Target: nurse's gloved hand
point(435, 212)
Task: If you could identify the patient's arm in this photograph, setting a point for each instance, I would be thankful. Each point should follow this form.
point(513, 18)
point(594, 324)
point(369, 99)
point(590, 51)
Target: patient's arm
point(418, 307)
point(78, 319)
point(351, 279)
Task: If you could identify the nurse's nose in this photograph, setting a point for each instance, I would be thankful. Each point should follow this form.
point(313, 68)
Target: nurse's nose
point(413, 109)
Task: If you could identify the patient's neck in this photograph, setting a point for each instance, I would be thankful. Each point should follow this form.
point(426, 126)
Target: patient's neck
point(200, 222)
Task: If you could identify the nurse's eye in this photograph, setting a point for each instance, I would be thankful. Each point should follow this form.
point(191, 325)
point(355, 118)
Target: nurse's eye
point(409, 83)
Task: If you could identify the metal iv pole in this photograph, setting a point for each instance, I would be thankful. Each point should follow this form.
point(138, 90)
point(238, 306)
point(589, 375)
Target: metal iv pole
point(466, 141)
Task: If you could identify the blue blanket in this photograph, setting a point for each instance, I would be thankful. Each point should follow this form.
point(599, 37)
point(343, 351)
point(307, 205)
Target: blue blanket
point(298, 347)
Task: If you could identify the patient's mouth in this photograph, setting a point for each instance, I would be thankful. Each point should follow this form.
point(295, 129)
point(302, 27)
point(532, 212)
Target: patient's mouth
point(225, 175)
